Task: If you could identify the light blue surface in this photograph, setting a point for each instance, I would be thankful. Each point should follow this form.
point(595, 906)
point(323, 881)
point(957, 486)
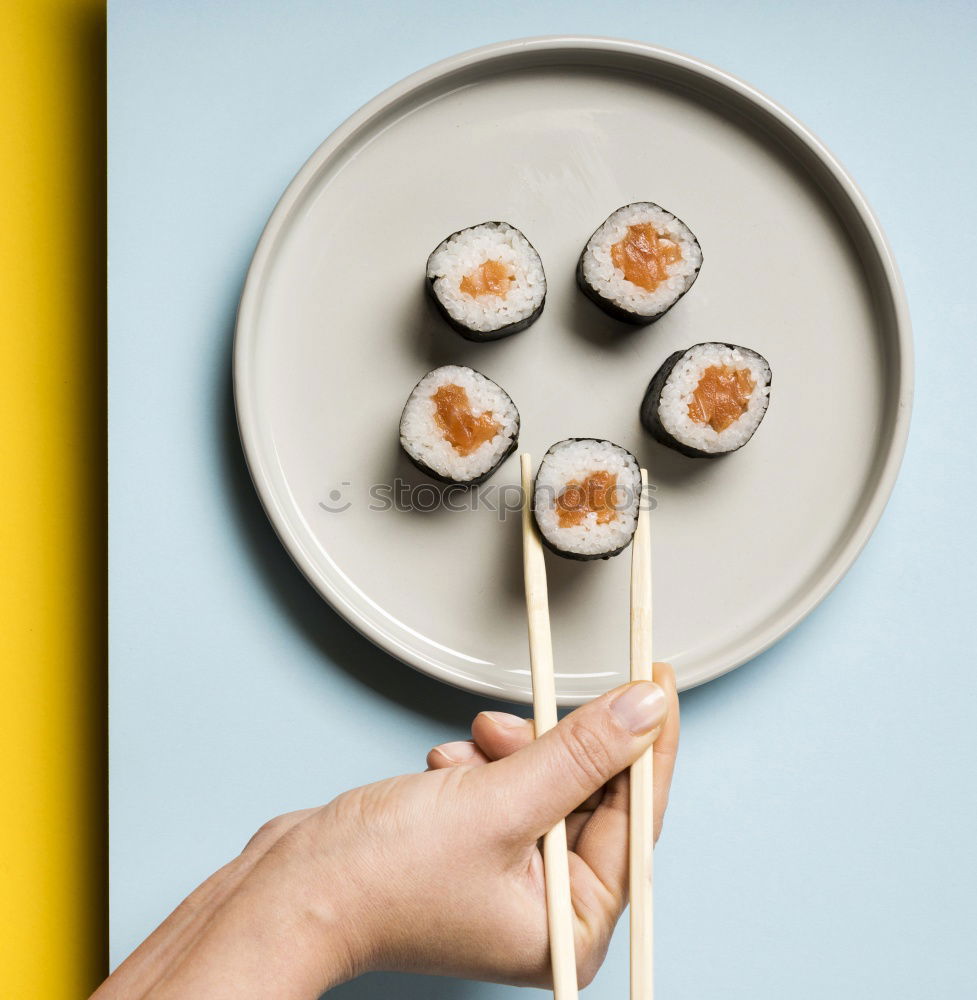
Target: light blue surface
point(821, 836)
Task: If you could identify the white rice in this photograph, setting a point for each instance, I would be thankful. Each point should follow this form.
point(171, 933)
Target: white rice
point(573, 461)
point(609, 282)
point(464, 252)
point(424, 440)
point(676, 395)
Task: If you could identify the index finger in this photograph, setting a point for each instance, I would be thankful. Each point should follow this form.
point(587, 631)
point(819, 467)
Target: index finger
point(666, 746)
point(603, 842)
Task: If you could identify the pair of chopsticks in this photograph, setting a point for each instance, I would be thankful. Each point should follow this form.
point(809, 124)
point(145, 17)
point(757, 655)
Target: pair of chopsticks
point(559, 907)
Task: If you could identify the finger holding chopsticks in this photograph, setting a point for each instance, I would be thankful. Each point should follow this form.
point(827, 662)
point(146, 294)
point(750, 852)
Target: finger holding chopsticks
point(631, 709)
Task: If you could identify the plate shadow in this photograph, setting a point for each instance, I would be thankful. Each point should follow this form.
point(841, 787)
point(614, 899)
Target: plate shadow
point(338, 642)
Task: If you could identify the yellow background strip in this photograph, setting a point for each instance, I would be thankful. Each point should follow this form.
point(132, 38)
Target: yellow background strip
point(52, 460)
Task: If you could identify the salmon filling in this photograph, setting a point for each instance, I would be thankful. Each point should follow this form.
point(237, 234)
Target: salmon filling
point(722, 396)
point(644, 256)
point(597, 494)
point(462, 429)
point(490, 278)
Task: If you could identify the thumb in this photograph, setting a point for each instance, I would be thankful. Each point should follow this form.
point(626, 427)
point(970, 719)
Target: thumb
point(547, 779)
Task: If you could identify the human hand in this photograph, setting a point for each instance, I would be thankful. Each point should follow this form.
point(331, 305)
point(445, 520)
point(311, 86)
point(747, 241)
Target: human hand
point(437, 872)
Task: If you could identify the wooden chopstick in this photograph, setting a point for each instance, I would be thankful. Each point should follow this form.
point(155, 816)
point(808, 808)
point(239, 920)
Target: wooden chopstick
point(559, 907)
point(642, 820)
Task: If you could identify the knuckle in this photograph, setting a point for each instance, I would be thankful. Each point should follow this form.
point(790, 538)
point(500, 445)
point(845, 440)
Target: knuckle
point(356, 808)
point(589, 965)
point(587, 972)
point(586, 754)
point(372, 811)
point(592, 950)
point(268, 833)
point(274, 828)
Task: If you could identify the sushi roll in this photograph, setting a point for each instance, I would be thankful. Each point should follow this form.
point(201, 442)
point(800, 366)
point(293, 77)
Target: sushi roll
point(585, 498)
point(639, 262)
point(487, 281)
point(707, 400)
point(458, 426)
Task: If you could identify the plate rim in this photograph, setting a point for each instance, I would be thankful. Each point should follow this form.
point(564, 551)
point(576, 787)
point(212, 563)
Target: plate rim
point(245, 333)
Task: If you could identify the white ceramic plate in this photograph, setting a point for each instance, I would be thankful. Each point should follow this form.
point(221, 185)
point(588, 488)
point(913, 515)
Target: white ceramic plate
point(551, 135)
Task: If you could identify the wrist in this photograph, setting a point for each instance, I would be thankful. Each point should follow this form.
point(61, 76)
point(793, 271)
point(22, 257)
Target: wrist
point(276, 934)
point(317, 923)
